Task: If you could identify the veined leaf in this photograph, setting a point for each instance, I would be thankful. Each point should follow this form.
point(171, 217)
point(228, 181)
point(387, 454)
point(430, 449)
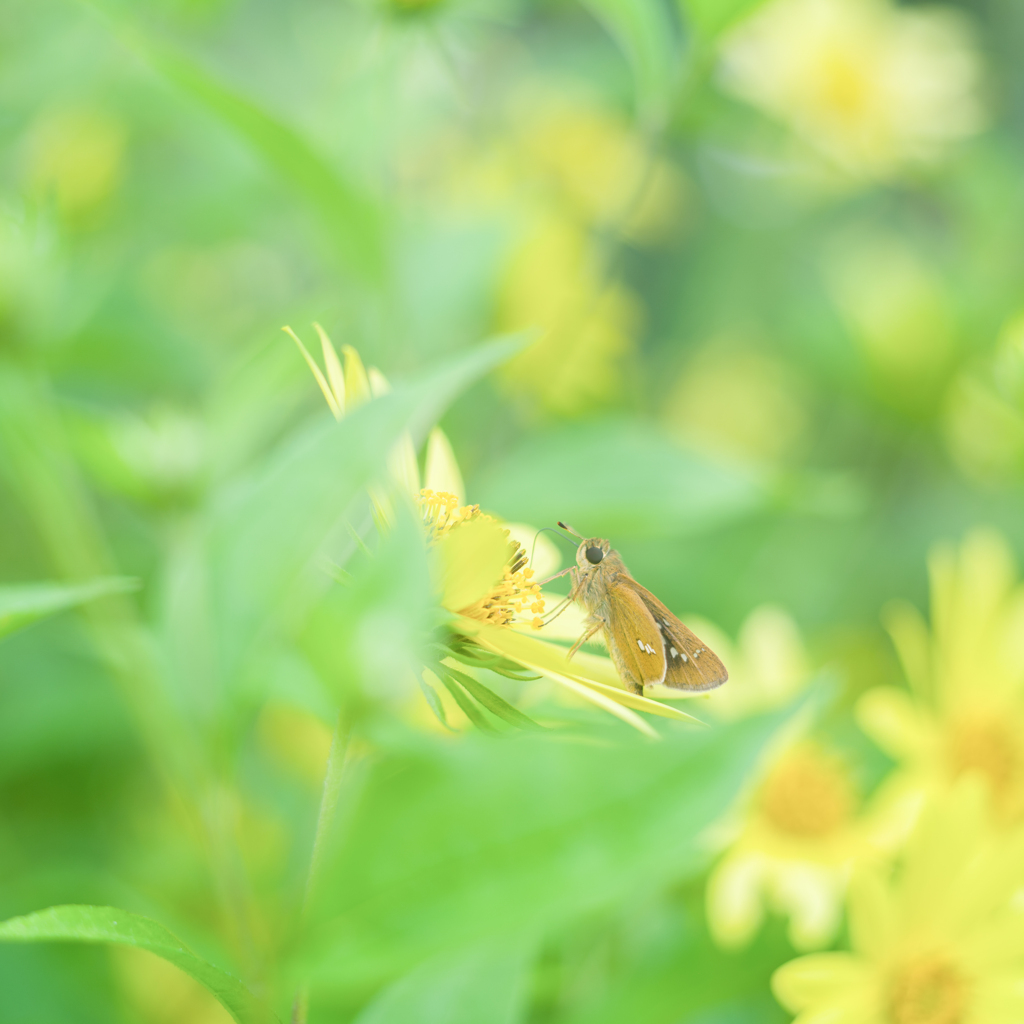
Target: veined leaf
point(23, 603)
point(451, 844)
point(109, 924)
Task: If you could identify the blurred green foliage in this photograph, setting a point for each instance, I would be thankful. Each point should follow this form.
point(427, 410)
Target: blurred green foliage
point(779, 355)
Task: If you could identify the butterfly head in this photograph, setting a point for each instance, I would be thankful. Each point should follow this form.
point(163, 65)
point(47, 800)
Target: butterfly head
point(591, 553)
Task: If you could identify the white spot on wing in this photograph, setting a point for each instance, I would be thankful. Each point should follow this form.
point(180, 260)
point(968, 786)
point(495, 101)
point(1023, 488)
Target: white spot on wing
point(684, 657)
point(640, 644)
point(675, 653)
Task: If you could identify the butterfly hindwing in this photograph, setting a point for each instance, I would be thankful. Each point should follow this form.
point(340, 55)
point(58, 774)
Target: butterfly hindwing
point(689, 663)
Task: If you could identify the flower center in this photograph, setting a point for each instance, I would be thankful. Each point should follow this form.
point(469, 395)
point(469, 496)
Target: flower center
point(510, 597)
point(807, 794)
point(927, 991)
point(989, 746)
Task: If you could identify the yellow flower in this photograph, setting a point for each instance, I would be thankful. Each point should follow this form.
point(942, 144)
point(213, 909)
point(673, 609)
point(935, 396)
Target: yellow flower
point(870, 85)
point(768, 666)
point(802, 829)
point(485, 575)
point(555, 281)
point(735, 400)
point(484, 583)
point(798, 843)
point(77, 153)
point(938, 943)
point(964, 713)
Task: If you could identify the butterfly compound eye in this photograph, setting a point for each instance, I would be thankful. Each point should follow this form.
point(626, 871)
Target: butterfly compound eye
point(594, 555)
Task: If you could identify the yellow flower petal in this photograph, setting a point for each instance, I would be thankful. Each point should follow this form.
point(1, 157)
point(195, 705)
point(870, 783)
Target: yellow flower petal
point(332, 402)
point(335, 377)
point(812, 896)
point(873, 925)
point(910, 637)
point(735, 908)
point(549, 660)
point(357, 384)
point(442, 469)
point(893, 721)
point(807, 980)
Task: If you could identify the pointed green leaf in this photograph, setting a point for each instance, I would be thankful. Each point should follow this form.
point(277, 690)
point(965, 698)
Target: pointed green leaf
point(490, 700)
point(110, 924)
point(23, 603)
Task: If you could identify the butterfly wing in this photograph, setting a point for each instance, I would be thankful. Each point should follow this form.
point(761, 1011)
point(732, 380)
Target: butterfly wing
point(689, 663)
point(634, 640)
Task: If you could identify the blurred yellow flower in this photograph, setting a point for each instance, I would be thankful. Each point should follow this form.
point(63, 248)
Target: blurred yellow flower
point(732, 399)
point(589, 179)
point(964, 713)
point(554, 281)
point(77, 153)
point(798, 836)
point(768, 666)
point(871, 85)
point(798, 842)
point(896, 309)
point(938, 943)
point(597, 168)
point(984, 433)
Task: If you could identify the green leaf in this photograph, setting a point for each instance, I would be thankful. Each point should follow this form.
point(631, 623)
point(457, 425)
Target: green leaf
point(434, 702)
point(469, 709)
point(267, 529)
point(109, 924)
point(351, 220)
point(618, 477)
point(485, 985)
point(710, 18)
point(23, 603)
point(450, 844)
point(490, 700)
point(645, 34)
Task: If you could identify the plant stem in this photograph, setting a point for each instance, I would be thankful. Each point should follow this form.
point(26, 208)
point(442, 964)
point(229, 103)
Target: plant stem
point(333, 778)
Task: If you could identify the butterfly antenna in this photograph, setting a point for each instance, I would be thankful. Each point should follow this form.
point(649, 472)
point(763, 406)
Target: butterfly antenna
point(545, 529)
point(569, 529)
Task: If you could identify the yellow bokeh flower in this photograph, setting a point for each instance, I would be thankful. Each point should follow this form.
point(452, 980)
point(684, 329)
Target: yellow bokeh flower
point(77, 154)
point(792, 845)
point(768, 665)
point(554, 281)
point(939, 942)
point(870, 85)
point(735, 399)
point(801, 835)
point(964, 712)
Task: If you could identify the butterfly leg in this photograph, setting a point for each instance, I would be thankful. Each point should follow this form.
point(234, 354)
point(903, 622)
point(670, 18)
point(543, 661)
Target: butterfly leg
point(583, 639)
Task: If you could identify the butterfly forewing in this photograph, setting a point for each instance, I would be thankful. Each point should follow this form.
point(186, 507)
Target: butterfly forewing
point(635, 640)
point(689, 663)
